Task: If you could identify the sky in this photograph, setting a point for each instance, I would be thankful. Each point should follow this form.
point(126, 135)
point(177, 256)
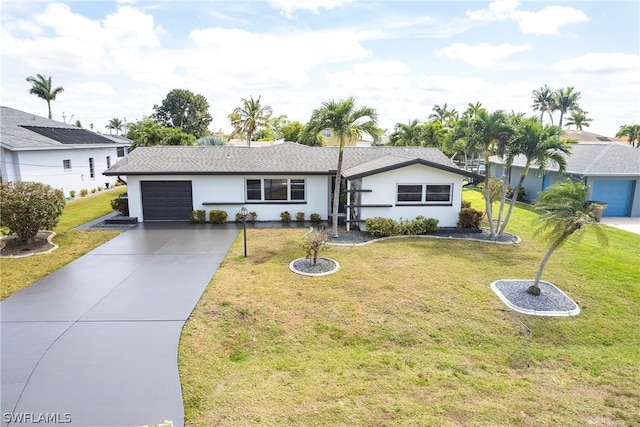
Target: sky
point(117, 59)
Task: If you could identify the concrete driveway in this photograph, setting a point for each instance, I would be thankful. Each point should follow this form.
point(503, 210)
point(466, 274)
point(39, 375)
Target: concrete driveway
point(95, 343)
point(623, 223)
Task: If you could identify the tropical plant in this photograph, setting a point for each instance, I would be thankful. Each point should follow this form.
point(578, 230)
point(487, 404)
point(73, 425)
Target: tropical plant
point(445, 116)
point(310, 136)
point(251, 117)
point(41, 87)
point(578, 119)
point(347, 123)
point(121, 204)
point(291, 131)
point(184, 110)
point(565, 100)
point(632, 132)
point(28, 207)
point(313, 242)
point(543, 101)
point(211, 140)
point(147, 133)
point(565, 211)
point(114, 124)
point(411, 134)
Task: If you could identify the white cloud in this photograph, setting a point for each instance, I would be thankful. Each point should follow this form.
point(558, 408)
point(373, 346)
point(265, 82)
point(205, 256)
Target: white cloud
point(499, 10)
point(600, 63)
point(290, 6)
point(481, 55)
point(92, 88)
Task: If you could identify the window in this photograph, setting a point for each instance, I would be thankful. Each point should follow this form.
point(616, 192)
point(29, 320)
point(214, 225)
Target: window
point(92, 170)
point(66, 164)
point(279, 190)
point(121, 152)
point(411, 194)
point(326, 133)
point(108, 162)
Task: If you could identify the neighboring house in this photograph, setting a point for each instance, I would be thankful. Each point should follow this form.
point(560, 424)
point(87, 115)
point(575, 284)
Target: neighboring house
point(167, 183)
point(34, 148)
point(610, 167)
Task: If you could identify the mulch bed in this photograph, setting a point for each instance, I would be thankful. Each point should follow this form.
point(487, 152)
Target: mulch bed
point(10, 246)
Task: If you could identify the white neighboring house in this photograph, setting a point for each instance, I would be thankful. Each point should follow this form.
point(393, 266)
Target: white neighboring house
point(34, 148)
point(166, 183)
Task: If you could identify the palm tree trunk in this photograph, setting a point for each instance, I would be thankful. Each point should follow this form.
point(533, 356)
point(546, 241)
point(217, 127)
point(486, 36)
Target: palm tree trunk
point(514, 198)
point(487, 196)
point(502, 199)
point(49, 107)
point(535, 288)
point(249, 134)
point(336, 193)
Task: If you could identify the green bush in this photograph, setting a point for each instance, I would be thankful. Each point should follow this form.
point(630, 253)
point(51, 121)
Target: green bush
point(285, 217)
point(198, 216)
point(84, 192)
point(521, 195)
point(251, 217)
point(422, 225)
point(28, 207)
point(217, 217)
point(469, 218)
point(121, 204)
point(93, 191)
point(72, 194)
point(314, 217)
point(99, 188)
point(300, 216)
point(382, 227)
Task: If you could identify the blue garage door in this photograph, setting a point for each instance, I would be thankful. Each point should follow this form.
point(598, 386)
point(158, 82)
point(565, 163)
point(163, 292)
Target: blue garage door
point(617, 194)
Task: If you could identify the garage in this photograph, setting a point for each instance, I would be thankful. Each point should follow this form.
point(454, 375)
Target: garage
point(618, 194)
point(166, 200)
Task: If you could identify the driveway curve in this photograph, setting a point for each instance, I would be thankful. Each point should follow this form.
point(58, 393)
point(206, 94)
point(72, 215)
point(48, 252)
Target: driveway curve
point(95, 343)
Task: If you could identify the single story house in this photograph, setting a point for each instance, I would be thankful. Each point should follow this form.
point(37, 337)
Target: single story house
point(609, 167)
point(168, 182)
point(61, 155)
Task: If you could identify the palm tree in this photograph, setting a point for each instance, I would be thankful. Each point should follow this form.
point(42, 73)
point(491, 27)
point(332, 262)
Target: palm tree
point(41, 87)
point(579, 119)
point(540, 146)
point(250, 117)
point(565, 100)
point(347, 123)
point(565, 212)
point(443, 115)
point(543, 101)
point(408, 134)
point(632, 132)
point(114, 124)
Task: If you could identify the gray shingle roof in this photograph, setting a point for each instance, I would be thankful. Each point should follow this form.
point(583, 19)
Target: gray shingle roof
point(289, 158)
point(14, 134)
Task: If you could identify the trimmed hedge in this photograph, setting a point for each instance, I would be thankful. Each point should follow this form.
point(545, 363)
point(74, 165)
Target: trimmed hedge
point(469, 218)
point(385, 227)
point(217, 217)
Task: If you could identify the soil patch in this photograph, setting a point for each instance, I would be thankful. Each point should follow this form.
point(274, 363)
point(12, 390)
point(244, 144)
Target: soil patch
point(12, 247)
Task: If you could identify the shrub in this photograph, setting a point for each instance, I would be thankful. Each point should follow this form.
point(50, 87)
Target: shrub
point(28, 207)
point(121, 204)
point(469, 218)
point(83, 192)
point(313, 242)
point(300, 216)
point(217, 217)
point(495, 189)
point(521, 195)
point(118, 184)
point(72, 193)
point(99, 188)
point(422, 225)
point(285, 217)
point(382, 227)
point(465, 204)
point(198, 216)
point(314, 217)
point(93, 191)
point(251, 217)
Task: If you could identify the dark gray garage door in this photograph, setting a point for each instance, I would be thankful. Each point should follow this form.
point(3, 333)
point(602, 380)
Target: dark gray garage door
point(166, 200)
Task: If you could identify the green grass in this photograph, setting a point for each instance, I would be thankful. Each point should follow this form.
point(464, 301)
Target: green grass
point(408, 332)
point(17, 273)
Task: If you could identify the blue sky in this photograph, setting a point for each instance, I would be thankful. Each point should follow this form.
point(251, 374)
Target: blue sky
point(118, 59)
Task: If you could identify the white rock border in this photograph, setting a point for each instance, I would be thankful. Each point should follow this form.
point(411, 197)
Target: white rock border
point(426, 236)
point(336, 268)
point(549, 313)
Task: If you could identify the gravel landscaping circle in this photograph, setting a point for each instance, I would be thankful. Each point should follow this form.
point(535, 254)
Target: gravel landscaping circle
point(11, 247)
point(551, 301)
point(323, 267)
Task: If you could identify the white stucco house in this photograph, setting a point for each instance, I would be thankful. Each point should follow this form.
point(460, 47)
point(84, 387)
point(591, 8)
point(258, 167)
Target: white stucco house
point(34, 148)
point(611, 169)
point(167, 183)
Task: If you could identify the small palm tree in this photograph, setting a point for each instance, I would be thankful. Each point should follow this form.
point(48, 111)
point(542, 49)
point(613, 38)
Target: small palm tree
point(632, 132)
point(408, 134)
point(543, 101)
point(347, 123)
point(250, 117)
point(41, 87)
point(579, 119)
point(114, 124)
point(565, 212)
point(565, 100)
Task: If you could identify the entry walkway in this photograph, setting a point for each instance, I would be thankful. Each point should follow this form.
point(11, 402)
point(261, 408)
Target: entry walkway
point(95, 343)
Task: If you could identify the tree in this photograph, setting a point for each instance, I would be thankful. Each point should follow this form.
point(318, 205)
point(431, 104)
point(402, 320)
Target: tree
point(211, 140)
point(147, 133)
point(444, 115)
point(411, 134)
point(543, 102)
point(291, 131)
point(114, 124)
point(310, 136)
point(184, 110)
point(579, 119)
point(250, 117)
point(28, 207)
point(78, 124)
point(347, 122)
point(41, 87)
point(632, 132)
point(566, 211)
point(565, 100)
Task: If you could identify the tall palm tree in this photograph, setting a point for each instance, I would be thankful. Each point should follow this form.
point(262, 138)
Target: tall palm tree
point(408, 134)
point(565, 100)
point(114, 124)
point(579, 119)
point(41, 87)
point(250, 117)
point(565, 212)
point(540, 146)
point(632, 132)
point(347, 123)
point(444, 115)
point(543, 101)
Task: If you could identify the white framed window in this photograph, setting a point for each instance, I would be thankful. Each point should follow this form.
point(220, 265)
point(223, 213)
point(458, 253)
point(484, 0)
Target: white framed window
point(326, 133)
point(275, 190)
point(66, 164)
point(424, 194)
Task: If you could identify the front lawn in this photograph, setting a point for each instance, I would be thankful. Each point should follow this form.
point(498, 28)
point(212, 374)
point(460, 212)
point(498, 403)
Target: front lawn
point(408, 332)
point(18, 273)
